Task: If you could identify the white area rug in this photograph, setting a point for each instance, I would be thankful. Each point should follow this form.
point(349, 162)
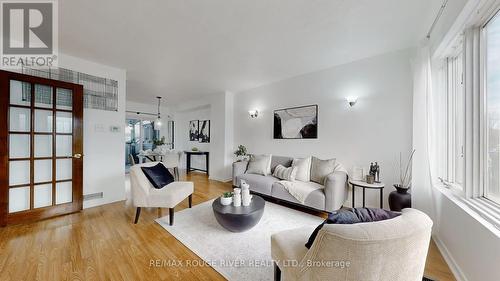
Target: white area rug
point(237, 256)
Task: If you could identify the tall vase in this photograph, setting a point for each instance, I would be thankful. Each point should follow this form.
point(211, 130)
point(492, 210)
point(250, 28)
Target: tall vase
point(399, 199)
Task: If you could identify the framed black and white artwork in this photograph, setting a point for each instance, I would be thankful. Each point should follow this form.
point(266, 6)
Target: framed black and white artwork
point(204, 135)
point(193, 130)
point(296, 122)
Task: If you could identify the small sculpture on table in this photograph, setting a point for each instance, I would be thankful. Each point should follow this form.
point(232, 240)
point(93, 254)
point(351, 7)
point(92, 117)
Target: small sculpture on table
point(246, 198)
point(375, 171)
point(237, 197)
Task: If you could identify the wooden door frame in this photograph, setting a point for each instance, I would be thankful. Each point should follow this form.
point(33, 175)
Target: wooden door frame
point(77, 175)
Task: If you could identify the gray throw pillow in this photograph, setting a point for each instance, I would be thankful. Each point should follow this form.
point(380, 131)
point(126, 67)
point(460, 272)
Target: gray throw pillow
point(259, 164)
point(321, 168)
point(283, 173)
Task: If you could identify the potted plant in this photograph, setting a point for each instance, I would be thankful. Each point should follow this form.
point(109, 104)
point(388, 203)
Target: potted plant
point(226, 198)
point(160, 146)
point(159, 142)
point(241, 153)
point(400, 198)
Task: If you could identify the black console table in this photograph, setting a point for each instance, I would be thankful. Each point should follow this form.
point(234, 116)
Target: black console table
point(188, 160)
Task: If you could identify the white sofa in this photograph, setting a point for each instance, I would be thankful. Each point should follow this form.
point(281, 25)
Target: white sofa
point(329, 197)
point(390, 250)
point(145, 195)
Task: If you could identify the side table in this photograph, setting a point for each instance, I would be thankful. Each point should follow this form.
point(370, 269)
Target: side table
point(380, 186)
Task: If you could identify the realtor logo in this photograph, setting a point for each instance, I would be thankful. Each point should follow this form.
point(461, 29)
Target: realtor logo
point(29, 34)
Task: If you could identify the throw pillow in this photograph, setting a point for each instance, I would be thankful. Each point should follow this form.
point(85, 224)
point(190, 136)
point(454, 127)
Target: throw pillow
point(259, 164)
point(353, 216)
point(158, 175)
point(283, 173)
point(321, 168)
point(303, 168)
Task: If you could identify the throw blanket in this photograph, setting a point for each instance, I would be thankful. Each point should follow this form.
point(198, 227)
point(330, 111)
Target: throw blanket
point(300, 190)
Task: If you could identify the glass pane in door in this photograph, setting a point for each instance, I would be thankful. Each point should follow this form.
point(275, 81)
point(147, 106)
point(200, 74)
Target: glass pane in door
point(43, 96)
point(64, 169)
point(43, 170)
point(20, 93)
point(19, 172)
point(43, 145)
point(64, 122)
point(19, 146)
point(42, 195)
point(19, 119)
point(19, 199)
point(64, 192)
point(64, 99)
point(64, 145)
point(43, 121)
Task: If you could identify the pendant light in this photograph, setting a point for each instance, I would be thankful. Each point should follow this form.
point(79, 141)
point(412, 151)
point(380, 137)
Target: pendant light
point(157, 124)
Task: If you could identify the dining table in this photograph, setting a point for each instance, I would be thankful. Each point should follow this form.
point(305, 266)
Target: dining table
point(151, 156)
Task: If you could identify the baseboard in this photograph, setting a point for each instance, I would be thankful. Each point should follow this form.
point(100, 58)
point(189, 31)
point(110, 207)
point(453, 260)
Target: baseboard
point(455, 269)
point(101, 201)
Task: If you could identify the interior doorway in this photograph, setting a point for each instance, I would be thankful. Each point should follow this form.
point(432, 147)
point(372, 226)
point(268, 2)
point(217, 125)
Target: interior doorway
point(141, 135)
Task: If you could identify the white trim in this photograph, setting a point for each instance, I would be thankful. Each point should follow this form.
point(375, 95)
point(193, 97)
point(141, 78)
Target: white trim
point(472, 12)
point(448, 258)
point(487, 209)
point(458, 200)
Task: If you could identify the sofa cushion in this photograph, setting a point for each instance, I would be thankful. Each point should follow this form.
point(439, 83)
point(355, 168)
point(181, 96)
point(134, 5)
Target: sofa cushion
point(285, 173)
point(353, 216)
point(259, 183)
point(280, 160)
point(303, 168)
point(158, 175)
point(321, 168)
point(259, 164)
point(315, 199)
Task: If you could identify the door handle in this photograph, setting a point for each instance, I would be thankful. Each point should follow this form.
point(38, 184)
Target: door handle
point(77, 156)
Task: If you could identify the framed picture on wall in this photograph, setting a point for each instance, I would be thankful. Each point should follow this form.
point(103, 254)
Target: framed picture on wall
point(204, 134)
point(296, 123)
point(194, 130)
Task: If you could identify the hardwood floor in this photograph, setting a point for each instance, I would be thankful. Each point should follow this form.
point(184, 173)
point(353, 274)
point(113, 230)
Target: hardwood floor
point(101, 243)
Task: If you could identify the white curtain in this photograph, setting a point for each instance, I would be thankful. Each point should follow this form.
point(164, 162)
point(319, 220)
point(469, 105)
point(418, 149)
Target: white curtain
point(426, 134)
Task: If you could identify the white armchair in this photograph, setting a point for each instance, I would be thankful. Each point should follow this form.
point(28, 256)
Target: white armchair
point(390, 250)
point(145, 195)
point(171, 160)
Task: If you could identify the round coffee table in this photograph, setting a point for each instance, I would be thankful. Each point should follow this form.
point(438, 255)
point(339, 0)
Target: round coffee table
point(239, 219)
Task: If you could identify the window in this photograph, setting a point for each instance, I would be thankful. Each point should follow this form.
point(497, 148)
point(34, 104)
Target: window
point(455, 119)
point(491, 60)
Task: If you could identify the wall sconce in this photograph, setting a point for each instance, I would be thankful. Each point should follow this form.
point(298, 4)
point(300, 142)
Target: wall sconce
point(351, 100)
point(253, 113)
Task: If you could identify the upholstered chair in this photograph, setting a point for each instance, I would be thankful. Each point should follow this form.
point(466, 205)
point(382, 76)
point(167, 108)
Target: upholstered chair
point(390, 250)
point(171, 160)
point(145, 195)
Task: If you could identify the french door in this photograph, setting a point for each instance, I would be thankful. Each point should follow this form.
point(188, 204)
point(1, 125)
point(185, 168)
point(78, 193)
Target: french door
point(41, 144)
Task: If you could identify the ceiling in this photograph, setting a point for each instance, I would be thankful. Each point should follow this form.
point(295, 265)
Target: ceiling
point(184, 49)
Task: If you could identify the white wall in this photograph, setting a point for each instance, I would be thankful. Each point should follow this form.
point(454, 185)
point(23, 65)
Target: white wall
point(218, 108)
point(182, 119)
point(377, 128)
point(104, 151)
